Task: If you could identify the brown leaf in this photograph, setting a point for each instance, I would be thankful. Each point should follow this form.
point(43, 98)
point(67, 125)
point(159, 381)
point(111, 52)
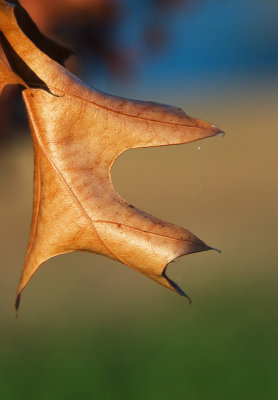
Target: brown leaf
point(8, 77)
point(78, 132)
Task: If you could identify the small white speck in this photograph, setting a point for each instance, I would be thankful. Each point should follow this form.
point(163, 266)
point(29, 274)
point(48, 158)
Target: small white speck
point(199, 148)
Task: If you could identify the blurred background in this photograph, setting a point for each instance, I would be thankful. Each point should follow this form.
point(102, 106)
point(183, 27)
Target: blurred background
point(88, 326)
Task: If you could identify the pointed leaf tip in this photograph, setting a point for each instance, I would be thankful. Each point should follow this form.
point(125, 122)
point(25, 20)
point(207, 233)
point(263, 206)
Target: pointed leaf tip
point(175, 286)
point(17, 303)
point(221, 133)
point(218, 251)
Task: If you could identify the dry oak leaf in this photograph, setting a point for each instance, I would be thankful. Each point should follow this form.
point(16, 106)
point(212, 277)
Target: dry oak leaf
point(77, 133)
point(8, 77)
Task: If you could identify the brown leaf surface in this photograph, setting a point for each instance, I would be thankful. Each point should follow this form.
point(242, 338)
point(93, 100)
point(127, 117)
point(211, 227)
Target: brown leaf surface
point(8, 77)
point(78, 132)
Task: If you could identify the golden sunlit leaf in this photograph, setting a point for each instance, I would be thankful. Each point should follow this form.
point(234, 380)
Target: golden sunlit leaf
point(8, 77)
point(78, 132)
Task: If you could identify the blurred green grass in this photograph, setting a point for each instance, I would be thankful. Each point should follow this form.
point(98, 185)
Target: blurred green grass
point(90, 327)
point(225, 347)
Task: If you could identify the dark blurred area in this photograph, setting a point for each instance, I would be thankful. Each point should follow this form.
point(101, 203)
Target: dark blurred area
point(93, 28)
